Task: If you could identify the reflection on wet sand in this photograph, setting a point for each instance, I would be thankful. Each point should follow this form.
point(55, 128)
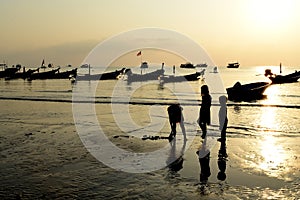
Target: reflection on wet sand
point(176, 161)
point(222, 159)
point(273, 157)
point(204, 159)
point(204, 155)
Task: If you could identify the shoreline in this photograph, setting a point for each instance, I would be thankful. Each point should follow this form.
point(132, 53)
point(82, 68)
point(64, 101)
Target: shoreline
point(38, 153)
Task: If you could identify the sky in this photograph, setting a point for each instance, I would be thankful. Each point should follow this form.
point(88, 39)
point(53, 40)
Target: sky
point(252, 32)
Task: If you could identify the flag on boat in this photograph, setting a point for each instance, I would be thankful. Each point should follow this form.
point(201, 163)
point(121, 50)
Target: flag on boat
point(139, 53)
point(43, 62)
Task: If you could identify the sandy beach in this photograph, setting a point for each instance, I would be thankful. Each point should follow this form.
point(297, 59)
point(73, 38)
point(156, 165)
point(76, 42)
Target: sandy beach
point(42, 156)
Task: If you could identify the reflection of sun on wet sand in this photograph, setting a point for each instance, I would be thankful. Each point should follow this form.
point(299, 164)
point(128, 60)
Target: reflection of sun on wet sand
point(42, 156)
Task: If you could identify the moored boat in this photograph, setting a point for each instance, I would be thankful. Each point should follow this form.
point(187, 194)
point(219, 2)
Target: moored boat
point(43, 75)
point(203, 65)
point(187, 65)
point(131, 77)
point(104, 76)
point(189, 77)
point(247, 92)
point(7, 72)
point(64, 75)
point(21, 75)
point(279, 79)
point(233, 65)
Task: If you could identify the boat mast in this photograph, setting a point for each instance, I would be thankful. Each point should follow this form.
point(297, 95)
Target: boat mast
point(280, 68)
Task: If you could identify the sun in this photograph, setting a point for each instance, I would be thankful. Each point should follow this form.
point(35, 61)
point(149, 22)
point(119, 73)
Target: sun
point(270, 13)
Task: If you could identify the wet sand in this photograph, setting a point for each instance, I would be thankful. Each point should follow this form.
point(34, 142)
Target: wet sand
point(42, 156)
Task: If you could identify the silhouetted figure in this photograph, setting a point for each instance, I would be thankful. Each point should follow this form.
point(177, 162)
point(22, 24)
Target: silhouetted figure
point(223, 120)
point(222, 158)
point(175, 116)
point(204, 114)
point(204, 158)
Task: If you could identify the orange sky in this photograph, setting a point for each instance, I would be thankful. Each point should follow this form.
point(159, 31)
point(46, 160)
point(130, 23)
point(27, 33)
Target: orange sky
point(253, 32)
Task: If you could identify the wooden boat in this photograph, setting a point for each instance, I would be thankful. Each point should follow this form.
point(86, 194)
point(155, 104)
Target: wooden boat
point(187, 65)
point(64, 75)
point(233, 65)
point(144, 65)
point(7, 72)
point(43, 75)
point(203, 65)
point(247, 92)
point(131, 77)
point(105, 76)
point(21, 75)
point(278, 79)
point(190, 77)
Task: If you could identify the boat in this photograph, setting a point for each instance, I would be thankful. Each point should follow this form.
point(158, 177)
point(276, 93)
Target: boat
point(132, 77)
point(190, 77)
point(105, 76)
point(187, 65)
point(43, 75)
point(233, 65)
point(21, 75)
point(203, 65)
point(85, 66)
point(64, 75)
point(279, 79)
point(7, 72)
point(247, 92)
point(144, 65)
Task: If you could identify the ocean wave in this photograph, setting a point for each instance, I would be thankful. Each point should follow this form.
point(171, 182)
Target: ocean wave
point(144, 101)
point(242, 131)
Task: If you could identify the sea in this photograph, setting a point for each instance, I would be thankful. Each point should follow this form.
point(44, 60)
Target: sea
point(41, 120)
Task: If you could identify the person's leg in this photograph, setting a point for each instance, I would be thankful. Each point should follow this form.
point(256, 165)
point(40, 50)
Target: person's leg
point(223, 132)
point(204, 129)
point(173, 127)
point(183, 129)
point(173, 130)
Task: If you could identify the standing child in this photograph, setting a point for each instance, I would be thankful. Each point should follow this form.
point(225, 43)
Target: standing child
point(223, 121)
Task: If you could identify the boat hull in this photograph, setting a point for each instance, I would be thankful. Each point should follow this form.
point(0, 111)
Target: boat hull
point(233, 65)
point(189, 77)
point(105, 76)
point(290, 78)
point(43, 75)
point(248, 92)
point(144, 77)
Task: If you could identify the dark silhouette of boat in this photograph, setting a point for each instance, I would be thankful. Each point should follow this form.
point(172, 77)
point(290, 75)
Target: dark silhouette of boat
point(132, 77)
point(247, 92)
point(190, 77)
point(187, 65)
point(7, 72)
point(233, 65)
point(191, 66)
point(278, 79)
point(21, 75)
point(43, 75)
point(105, 76)
point(64, 75)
